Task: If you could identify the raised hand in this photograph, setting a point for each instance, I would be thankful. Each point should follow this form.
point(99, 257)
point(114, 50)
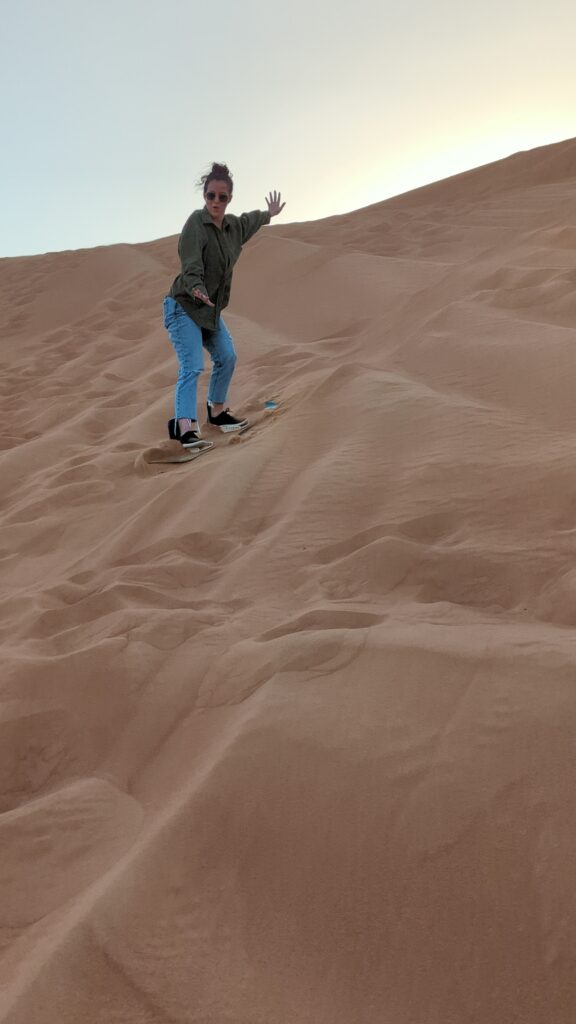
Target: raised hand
point(274, 207)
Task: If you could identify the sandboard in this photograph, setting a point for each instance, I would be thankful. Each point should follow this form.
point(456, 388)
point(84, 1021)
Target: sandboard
point(174, 452)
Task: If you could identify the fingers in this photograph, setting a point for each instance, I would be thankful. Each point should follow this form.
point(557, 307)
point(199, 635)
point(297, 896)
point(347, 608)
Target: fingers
point(200, 295)
point(274, 201)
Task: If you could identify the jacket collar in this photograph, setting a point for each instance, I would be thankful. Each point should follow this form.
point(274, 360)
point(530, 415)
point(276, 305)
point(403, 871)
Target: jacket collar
point(207, 219)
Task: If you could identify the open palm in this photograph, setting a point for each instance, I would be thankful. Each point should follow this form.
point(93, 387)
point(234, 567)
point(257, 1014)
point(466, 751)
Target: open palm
point(274, 207)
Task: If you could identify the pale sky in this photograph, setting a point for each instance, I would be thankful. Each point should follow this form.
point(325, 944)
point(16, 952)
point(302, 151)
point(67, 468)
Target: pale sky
point(110, 111)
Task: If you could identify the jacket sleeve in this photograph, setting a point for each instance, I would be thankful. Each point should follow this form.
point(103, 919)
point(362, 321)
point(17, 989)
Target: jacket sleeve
point(192, 246)
point(250, 223)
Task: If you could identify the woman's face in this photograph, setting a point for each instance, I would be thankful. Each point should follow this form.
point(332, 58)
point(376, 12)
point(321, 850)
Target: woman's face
point(217, 196)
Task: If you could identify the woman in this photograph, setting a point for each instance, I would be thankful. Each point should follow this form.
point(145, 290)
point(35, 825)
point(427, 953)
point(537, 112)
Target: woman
point(210, 244)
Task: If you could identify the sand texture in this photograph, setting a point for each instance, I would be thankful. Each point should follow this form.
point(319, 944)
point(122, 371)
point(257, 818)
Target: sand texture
point(287, 732)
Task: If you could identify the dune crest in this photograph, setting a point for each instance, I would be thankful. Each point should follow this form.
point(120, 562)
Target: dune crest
point(286, 732)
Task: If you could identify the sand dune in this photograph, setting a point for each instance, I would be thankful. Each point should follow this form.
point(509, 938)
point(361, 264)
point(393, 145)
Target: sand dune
point(287, 732)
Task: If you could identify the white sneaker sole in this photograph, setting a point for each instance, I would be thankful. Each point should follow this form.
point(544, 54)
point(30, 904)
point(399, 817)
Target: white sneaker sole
point(198, 445)
point(232, 428)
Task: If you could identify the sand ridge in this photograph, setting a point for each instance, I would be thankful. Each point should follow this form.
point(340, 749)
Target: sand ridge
point(286, 732)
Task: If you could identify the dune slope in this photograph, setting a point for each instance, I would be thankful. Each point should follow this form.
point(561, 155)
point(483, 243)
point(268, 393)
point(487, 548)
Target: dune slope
point(286, 733)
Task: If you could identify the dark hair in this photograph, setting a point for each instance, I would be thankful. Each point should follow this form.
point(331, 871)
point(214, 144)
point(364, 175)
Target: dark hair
point(218, 172)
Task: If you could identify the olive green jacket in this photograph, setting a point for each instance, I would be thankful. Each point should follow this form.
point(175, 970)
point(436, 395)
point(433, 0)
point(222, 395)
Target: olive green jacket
point(207, 256)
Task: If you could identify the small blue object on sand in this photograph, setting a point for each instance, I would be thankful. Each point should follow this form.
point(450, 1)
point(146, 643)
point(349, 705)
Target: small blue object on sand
point(270, 405)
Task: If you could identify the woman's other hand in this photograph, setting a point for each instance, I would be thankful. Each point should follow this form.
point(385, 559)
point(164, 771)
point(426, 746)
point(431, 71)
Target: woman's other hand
point(201, 295)
point(274, 207)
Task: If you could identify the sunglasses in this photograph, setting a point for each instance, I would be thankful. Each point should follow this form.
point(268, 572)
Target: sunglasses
point(223, 197)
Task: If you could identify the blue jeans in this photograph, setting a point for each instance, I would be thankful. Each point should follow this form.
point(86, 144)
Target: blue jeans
point(188, 340)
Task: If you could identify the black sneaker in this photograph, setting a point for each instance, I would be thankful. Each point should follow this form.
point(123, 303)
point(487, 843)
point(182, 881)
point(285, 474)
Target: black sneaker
point(191, 439)
point(226, 421)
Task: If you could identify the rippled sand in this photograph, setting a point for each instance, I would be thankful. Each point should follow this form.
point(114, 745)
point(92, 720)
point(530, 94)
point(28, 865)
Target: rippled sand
point(287, 732)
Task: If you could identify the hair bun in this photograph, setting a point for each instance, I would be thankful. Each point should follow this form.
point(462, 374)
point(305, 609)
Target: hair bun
point(218, 172)
point(220, 169)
